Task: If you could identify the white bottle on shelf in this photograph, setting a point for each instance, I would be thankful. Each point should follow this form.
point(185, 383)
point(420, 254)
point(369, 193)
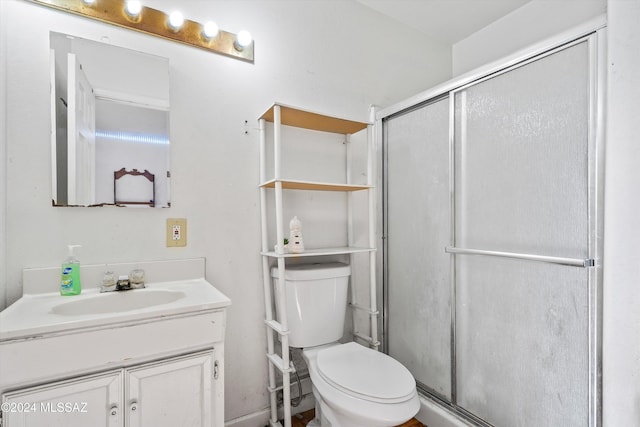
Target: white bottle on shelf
point(296, 244)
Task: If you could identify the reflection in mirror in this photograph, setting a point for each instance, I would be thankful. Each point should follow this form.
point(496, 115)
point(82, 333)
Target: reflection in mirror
point(110, 111)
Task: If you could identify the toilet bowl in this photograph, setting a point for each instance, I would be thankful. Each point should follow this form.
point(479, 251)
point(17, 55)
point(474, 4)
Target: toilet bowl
point(355, 386)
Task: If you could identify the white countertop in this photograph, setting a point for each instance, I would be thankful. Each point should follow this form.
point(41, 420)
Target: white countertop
point(36, 315)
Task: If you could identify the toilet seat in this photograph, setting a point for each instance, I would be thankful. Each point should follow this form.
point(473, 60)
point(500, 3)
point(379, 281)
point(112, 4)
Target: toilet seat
point(366, 374)
point(351, 401)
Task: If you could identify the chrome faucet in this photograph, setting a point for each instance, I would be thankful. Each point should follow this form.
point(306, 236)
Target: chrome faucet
point(135, 280)
point(123, 283)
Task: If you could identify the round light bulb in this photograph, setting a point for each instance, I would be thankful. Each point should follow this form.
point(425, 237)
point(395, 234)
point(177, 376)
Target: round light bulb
point(243, 40)
point(176, 20)
point(210, 30)
point(88, 2)
point(134, 7)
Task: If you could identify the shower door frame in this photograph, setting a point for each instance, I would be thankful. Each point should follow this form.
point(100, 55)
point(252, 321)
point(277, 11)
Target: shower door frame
point(594, 34)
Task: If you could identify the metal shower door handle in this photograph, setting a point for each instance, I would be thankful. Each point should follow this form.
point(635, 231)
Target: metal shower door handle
point(573, 262)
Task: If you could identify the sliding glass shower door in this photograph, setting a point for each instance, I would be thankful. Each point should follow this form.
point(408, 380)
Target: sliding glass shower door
point(491, 228)
point(417, 217)
point(522, 187)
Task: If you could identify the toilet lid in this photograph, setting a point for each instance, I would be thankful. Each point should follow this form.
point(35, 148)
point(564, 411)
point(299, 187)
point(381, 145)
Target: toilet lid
point(365, 373)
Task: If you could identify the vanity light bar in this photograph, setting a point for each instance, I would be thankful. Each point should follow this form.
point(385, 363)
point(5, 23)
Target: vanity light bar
point(156, 22)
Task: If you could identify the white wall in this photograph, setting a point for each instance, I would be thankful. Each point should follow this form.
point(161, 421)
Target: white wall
point(621, 371)
point(525, 26)
point(332, 56)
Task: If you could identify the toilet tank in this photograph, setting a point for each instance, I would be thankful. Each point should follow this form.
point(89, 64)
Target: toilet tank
point(316, 299)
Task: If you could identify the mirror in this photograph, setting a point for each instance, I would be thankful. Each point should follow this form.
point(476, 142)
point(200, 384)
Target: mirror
point(110, 125)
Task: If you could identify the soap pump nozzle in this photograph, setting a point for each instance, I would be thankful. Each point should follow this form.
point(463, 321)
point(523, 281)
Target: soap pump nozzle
point(72, 255)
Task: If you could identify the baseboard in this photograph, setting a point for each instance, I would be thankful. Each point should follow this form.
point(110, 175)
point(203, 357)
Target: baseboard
point(261, 417)
point(257, 419)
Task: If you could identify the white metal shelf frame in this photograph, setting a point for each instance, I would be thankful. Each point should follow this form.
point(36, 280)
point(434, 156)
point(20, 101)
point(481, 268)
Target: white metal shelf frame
point(279, 115)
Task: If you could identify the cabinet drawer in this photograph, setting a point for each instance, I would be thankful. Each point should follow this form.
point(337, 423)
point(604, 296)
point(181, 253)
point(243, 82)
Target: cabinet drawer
point(55, 356)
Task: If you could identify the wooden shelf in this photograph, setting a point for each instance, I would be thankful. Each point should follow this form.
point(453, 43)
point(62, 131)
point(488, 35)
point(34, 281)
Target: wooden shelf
point(292, 184)
point(321, 252)
point(305, 119)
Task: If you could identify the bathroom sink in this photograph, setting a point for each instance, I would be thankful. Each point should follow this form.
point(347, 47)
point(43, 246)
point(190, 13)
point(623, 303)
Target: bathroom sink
point(115, 330)
point(116, 302)
point(35, 315)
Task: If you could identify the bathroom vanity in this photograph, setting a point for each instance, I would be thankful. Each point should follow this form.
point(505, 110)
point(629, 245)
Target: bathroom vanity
point(145, 357)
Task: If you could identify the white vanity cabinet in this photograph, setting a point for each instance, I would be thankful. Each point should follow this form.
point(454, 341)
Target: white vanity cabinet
point(119, 364)
point(172, 392)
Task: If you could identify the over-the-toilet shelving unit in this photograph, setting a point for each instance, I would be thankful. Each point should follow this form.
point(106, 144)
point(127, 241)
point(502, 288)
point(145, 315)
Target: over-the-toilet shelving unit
point(283, 115)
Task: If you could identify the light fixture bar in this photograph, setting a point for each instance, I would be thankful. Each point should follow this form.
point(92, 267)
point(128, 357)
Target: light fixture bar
point(154, 22)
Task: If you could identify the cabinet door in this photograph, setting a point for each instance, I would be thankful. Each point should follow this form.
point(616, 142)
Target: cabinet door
point(175, 392)
point(89, 401)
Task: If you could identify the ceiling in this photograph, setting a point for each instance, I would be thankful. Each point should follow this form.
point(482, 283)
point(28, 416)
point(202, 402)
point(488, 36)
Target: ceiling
point(447, 21)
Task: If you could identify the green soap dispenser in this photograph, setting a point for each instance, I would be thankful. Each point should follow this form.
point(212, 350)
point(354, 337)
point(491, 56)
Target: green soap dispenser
point(70, 277)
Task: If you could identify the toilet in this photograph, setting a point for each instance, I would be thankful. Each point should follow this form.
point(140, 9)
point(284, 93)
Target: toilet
point(353, 385)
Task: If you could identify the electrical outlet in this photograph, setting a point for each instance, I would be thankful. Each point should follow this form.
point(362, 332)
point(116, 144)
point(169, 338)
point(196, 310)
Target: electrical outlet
point(176, 232)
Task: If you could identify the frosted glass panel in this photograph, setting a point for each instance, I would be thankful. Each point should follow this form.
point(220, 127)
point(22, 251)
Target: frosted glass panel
point(521, 158)
point(522, 342)
point(521, 185)
point(417, 223)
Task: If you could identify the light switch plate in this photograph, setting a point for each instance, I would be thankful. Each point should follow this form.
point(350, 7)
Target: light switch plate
point(176, 232)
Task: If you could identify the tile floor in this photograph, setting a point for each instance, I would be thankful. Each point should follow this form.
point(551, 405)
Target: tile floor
point(301, 420)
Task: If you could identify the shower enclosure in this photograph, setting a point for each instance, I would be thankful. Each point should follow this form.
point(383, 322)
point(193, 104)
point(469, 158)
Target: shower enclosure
point(492, 231)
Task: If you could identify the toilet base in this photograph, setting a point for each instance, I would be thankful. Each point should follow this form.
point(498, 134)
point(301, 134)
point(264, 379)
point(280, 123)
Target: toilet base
point(326, 417)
